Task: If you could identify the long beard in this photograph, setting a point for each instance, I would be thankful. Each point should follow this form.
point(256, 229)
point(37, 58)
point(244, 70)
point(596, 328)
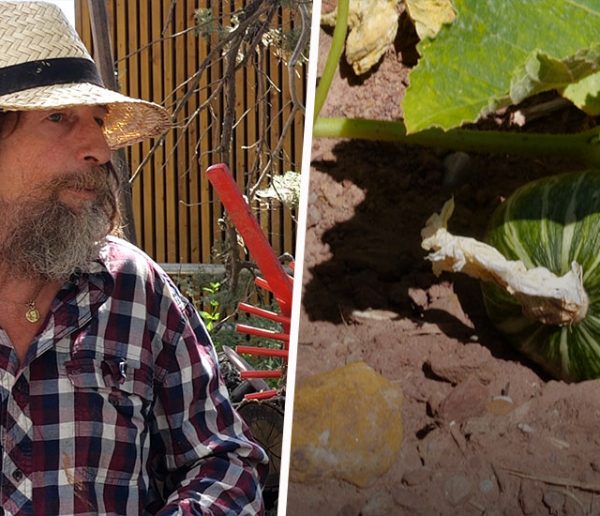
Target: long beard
point(44, 238)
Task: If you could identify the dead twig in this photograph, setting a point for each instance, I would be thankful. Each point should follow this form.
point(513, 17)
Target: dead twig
point(555, 481)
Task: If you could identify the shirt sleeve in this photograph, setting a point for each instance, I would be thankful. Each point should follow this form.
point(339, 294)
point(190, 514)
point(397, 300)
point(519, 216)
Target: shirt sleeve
point(201, 450)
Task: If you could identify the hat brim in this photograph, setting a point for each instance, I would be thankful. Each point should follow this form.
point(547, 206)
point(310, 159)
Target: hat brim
point(128, 121)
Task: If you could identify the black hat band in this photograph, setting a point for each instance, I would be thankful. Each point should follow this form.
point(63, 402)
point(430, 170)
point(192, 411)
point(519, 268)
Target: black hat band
point(47, 72)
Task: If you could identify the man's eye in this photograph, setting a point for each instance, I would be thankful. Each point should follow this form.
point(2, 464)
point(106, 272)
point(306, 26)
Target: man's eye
point(56, 117)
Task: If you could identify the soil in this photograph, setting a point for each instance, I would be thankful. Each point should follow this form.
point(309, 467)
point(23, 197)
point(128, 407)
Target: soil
point(485, 431)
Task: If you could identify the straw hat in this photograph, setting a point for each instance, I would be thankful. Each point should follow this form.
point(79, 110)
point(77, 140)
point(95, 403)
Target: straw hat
point(44, 65)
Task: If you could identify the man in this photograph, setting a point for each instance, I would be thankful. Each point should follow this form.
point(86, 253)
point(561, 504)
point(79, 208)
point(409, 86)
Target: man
point(111, 400)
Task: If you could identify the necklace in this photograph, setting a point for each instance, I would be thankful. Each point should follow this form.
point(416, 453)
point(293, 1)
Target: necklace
point(32, 314)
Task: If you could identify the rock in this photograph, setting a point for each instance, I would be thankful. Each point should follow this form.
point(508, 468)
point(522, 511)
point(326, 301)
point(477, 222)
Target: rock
point(457, 490)
point(415, 477)
point(529, 498)
point(418, 297)
point(436, 447)
point(380, 503)
point(466, 400)
point(459, 366)
point(525, 428)
point(486, 486)
point(554, 501)
point(347, 425)
point(407, 499)
point(500, 405)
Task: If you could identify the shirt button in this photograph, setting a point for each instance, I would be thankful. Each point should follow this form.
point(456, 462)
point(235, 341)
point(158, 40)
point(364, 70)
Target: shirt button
point(17, 474)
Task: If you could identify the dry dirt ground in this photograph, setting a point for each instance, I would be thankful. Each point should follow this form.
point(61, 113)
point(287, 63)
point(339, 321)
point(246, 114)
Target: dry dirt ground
point(370, 296)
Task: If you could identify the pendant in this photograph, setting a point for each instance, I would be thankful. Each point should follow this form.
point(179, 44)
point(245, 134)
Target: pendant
point(32, 314)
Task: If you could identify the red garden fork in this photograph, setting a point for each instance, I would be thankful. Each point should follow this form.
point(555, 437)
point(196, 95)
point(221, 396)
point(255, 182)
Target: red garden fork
point(275, 279)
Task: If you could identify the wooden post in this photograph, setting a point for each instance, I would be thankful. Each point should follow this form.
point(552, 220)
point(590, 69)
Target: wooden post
point(104, 60)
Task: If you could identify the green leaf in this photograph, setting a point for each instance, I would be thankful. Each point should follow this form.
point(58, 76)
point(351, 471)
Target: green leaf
point(498, 52)
point(585, 94)
point(541, 72)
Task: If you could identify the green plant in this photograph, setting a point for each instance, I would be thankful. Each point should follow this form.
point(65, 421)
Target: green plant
point(541, 266)
point(212, 314)
point(487, 59)
point(217, 304)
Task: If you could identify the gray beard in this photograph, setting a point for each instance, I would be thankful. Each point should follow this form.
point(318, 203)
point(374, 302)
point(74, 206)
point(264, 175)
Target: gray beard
point(43, 238)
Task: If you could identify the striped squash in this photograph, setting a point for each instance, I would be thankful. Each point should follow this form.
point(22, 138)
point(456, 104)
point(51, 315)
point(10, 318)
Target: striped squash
point(551, 222)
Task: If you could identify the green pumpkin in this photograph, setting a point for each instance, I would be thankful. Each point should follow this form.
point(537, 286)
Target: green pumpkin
point(551, 222)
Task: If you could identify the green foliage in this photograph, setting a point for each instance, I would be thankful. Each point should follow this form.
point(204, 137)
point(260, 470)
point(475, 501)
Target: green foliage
point(217, 305)
point(498, 53)
point(211, 315)
point(493, 54)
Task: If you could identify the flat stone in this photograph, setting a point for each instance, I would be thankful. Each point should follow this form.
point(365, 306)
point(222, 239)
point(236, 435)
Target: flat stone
point(458, 367)
point(468, 399)
point(347, 425)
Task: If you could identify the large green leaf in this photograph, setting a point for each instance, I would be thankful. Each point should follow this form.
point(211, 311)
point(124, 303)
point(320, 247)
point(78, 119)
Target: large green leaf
point(498, 52)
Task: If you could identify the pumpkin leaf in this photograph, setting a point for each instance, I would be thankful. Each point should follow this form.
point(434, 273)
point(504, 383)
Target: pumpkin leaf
point(490, 57)
point(585, 94)
point(541, 72)
point(429, 15)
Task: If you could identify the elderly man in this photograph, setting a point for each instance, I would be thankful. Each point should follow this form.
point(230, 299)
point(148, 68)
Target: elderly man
point(111, 401)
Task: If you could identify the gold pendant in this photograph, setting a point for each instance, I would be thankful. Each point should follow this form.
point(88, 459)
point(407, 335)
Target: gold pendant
point(32, 314)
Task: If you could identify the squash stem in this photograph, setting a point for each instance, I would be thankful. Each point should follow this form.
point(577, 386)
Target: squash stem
point(333, 58)
point(584, 146)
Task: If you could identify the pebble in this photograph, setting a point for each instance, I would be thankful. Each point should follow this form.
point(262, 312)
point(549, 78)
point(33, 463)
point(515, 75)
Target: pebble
point(466, 400)
point(500, 405)
point(416, 477)
point(486, 486)
point(457, 490)
point(528, 498)
point(554, 501)
point(525, 428)
point(380, 503)
point(456, 168)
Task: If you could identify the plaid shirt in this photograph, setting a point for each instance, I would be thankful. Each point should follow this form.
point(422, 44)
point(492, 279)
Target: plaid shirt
point(119, 407)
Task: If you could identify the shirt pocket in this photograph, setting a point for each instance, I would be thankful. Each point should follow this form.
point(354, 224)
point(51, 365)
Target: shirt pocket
point(111, 407)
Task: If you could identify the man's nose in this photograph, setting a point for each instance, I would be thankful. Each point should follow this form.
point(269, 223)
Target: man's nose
point(93, 148)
